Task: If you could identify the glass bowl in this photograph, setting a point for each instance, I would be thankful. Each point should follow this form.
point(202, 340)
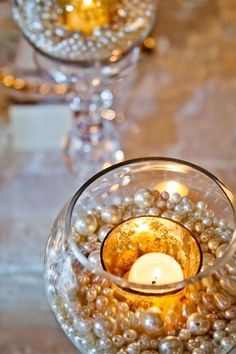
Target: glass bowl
point(133, 209)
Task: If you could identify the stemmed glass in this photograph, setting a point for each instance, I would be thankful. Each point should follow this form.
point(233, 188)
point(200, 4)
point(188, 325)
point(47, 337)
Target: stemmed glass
point(92, 45)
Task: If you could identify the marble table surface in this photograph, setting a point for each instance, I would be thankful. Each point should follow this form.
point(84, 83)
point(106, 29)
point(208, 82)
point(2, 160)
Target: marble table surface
point(181, 103)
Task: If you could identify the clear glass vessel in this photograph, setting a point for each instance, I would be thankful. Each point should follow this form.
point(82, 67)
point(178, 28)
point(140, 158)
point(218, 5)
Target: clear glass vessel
point(90, 45)
point(103, 311)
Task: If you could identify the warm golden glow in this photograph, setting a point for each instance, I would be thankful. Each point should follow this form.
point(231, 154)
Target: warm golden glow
point(173, 187)
point(138, 236)
point(86, 15)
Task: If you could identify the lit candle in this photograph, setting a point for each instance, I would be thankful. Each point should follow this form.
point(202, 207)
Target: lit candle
point(86, 15)
point(173, 187)
point(155, 269)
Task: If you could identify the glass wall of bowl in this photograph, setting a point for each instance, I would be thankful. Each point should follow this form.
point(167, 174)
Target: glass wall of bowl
point(91, 44)
point(142, 260)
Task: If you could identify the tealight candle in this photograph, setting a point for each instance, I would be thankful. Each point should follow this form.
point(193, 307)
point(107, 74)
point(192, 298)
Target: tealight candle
point(155, 269)
point(173, 187)
point(86, 15)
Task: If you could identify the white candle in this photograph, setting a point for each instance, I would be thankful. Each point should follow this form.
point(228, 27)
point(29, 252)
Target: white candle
point(173, 187)
point(155, 269)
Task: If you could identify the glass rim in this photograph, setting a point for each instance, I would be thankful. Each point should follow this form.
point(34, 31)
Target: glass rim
point(165, 288)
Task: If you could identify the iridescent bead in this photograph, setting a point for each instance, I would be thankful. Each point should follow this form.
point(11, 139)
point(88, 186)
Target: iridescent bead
point(170, 345)
point(130, 335)
point(154, 211)
point(128, 200)
point(110, 310)
point(154, 343)
point(105, 343)
point(219, 325)
point(191, 344)
point(198, 351)
point(88, 341)
point(229, 285)
point(218, 335)
point(133, 348)
point(227, 343)
point(207, 221)
point(124, 324)
point(201, 205)
point(83, 326)
point(175, 198)
point(123, 307)
point(94, 258)
point(198, 324)
point(184, 334)
point(104, 326)
point(101, 303)
point(86, 225)
point(213, 244)
point(144, 341)
point(160, 204)
point(107, 292)
point(91, 295)
point(103, 231)
point(220, 251)
point(111, 214)
point(226, 235)
point(118, 341)
point(165, 195)
point(206, 346)
point(199, 227)
point(222, 301)
point(230, 313)
point(143, 198)
point(230, 328)
point(208, 302)
point(152, 323)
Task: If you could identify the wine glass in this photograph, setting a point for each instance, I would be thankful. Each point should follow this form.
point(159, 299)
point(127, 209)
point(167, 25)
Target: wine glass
point(92, 45)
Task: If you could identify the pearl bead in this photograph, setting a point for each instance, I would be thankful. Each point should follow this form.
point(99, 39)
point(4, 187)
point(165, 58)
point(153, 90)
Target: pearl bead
point(170, 345)
point(144, 342)
point(110, 310)
point(143, 198)
point(191, 345)
point(222, 302)
point(219, 325)
point(124, 324)
point(105, 343)
point(104, 326)
point(101, 303)
point(218, 335)
point(128, 200)
point(165, 195)
point(94, 258)
point(103, 231)
point(206, 346)
point(220, 251)
point(227, 343)
point(83, 326)
point(230, 313)
point(198, 324)
point(133, 348)
point(118, 341)
point(175, 198)
point(91, 295)
point(111, 214)
point(198, 351)
point(160, 204)
point(229, 285)
point(130, 335)
point(152, 323)
point(231, 328)
point(184, 334)
point(86, 225)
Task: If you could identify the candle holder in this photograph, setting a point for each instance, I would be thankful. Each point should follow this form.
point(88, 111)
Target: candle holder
point(142, 260)
point(90, 45)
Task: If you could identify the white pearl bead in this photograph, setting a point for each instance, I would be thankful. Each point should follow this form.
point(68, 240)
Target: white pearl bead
point(133, 348)
point(111, 214)
point(171, 345)
point(198, 324)
point(227, 343)
point(152, 323)
point(103, 231)
point(143, 198)
point(184, 334)
point(94, 258)
point(86, 225)
point(130, 335)
point(104, 326)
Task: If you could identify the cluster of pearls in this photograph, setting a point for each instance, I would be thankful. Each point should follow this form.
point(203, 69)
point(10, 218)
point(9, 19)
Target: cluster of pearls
point(40, 22)
point(205, 322)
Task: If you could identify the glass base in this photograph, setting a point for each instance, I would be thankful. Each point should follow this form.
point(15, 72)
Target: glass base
point(85, 154)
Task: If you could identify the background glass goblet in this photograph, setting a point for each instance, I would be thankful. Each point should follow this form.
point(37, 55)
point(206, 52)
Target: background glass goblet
point(92, 45)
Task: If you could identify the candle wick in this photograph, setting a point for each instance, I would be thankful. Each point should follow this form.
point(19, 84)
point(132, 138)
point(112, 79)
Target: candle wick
point(154, 282)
